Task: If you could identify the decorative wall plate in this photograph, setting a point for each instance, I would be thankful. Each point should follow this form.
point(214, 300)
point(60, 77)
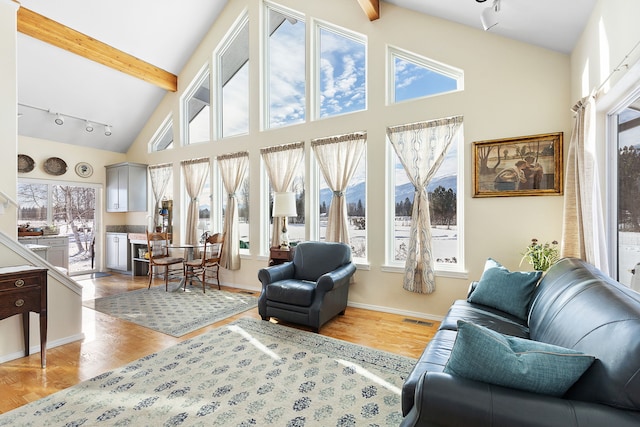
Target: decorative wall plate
point(84, 169)
point(55, 166)
point(25, 163)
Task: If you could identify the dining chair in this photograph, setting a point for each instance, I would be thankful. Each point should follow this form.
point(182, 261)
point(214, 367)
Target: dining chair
point(209, 262)
point(158, 247)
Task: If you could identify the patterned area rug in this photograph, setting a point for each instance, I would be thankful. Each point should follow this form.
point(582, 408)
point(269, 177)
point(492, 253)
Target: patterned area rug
point(247, 373)
point(173, 313)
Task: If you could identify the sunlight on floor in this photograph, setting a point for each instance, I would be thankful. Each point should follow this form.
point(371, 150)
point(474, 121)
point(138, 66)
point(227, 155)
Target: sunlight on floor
point(257, 344)
point(370, 375)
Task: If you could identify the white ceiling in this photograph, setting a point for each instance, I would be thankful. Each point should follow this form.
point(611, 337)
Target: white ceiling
point(165, 33)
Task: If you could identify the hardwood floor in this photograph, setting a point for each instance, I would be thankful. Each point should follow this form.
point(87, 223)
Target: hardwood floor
point(110, 342)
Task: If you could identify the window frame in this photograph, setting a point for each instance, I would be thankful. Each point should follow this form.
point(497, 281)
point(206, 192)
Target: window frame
point(223, 47)
point(266, 74)
point(163, 129)
point(422, 61)
point(316, 77)
point(202, 75)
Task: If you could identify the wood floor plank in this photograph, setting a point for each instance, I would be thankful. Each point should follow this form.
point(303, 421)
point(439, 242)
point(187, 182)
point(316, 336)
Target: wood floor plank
point(110, 343)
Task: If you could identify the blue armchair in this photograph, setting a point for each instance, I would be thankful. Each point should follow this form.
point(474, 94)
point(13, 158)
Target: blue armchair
point(311, 289)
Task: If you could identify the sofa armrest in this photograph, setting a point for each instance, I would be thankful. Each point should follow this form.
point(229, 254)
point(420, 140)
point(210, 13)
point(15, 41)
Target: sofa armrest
point(444, 400)
point(276, 273)
point(336, 278)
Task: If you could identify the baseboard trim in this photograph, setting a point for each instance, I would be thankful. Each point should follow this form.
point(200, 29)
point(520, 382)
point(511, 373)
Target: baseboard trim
point(36, 348)
point(382, 309)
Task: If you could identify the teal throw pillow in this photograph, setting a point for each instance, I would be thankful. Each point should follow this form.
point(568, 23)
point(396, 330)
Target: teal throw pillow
point(484, 355)
point(505, 290)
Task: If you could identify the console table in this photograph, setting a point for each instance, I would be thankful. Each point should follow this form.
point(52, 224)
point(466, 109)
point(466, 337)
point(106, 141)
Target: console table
point(23, 289)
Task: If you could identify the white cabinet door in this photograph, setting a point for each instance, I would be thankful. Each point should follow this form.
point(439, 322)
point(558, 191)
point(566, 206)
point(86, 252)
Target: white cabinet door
point(117, 251)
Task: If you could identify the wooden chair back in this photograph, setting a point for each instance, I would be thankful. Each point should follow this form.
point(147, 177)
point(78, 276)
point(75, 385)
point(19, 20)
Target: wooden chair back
point(212, 249)
point(158, 245)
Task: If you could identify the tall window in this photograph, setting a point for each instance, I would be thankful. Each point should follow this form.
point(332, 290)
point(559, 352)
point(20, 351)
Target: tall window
point(242, 198)
point(286, 78)
point(340, 162)
point(442, 191)
point(197, 111)
point(284, 172)
point(414, 76)
point(341, 72)
point(233, 81)
point(163, 138)
point(627, 124)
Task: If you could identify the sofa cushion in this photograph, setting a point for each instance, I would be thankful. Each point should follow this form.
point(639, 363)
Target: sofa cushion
point(505, 290)
point(291, 291)
point(484, 355)
point(489, 317)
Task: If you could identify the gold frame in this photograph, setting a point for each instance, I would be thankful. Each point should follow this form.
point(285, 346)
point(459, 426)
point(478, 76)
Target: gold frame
point(498, 169)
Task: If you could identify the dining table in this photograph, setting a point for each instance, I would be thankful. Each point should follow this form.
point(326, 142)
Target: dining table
point(189, 252)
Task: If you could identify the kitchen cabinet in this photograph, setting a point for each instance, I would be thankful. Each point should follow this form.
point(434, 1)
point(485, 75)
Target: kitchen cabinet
point(57, 252)
point(118, 255)
point(126, 187)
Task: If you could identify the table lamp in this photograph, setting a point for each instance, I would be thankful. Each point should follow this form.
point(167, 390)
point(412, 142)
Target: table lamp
point(284, 205)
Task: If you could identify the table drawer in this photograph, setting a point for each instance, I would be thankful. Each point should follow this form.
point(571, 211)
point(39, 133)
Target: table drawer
point(20, 282)
point(16, 302)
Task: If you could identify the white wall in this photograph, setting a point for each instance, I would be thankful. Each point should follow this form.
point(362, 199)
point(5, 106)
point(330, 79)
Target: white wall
point(511, 89)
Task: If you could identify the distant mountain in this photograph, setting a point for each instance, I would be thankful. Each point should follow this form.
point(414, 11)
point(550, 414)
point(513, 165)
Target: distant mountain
point(358, 192)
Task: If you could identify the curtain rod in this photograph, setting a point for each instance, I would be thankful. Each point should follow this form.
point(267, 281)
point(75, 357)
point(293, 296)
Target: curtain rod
point(617, 68)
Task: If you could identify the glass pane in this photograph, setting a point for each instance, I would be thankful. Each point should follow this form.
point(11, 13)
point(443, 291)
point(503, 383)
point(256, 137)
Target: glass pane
point(342, 71)
point(163, 140)
point(204, 210)
point(198, 112)
point(414, 81)
point(73, 216)
point(34, 203)
point(234, 69)
point(628, 189)
point(287, 83)
point(356, 195)
point(242, 196)
point(442, 192)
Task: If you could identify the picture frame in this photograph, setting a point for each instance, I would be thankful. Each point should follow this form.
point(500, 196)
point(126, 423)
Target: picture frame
point(521, 166)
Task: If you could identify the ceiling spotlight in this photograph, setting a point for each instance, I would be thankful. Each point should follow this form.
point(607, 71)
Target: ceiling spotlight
point(489, 17)
point(107, 130)
point(59, 119)
point(88, 127)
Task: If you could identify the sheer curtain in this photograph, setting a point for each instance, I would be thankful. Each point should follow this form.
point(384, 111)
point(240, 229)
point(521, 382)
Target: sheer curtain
point(195, 174)
point(583, 225)
point(233, 169)
point(338, 157)
point(421, 148)
point(281, 162)
point(159, 175)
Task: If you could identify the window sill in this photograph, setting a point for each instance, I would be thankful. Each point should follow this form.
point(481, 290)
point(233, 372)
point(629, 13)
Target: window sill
point(454, 274)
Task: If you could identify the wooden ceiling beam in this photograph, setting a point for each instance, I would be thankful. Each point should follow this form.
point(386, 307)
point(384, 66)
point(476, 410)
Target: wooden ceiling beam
point(371, 8)
point(49, 31)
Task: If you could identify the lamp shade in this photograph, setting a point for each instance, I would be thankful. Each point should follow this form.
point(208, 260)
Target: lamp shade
point(284, 204)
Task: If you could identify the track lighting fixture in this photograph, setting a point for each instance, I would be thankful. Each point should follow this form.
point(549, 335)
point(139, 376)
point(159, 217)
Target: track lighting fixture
point(489, 17)
point(59, 119)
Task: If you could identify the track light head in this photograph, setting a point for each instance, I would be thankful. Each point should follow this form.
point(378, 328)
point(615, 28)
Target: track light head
point(107, 130)
point(489, 17)
point(59, 119)
point(88, 127)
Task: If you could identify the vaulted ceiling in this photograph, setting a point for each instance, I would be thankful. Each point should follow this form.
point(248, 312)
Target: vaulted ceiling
point(120, 64)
